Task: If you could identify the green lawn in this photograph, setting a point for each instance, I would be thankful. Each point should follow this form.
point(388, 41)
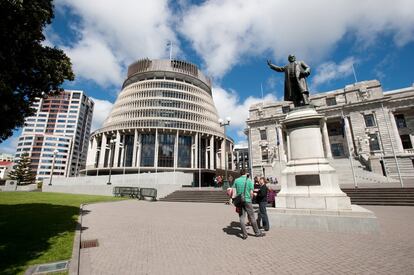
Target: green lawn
point(38, 227)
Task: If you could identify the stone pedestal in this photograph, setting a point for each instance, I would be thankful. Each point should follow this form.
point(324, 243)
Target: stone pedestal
point(310, 193)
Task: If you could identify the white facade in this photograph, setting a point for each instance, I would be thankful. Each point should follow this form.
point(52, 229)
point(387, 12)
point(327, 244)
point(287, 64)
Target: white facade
point(6, 157)
point(56, 136)
point(164, 119)
point(5, 168)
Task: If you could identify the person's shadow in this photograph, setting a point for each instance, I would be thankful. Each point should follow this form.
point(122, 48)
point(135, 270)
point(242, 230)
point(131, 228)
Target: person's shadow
point(233, 229)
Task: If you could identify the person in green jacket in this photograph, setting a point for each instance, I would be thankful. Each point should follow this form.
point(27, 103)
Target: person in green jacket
point(247, 208)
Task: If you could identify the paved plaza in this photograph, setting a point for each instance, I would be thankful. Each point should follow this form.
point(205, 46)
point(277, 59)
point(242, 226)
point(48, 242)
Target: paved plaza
point(142, 237)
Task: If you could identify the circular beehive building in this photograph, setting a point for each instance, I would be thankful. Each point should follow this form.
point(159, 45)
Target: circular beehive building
point(164, 119)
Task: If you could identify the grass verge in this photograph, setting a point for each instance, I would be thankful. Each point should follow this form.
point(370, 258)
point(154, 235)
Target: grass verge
point(38, 227)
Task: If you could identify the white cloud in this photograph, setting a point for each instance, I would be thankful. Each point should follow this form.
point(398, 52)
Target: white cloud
point(113, 34)
point(101, 111)
point(93, 59)
point(225, 32)
point(228, 104)
point(330, 71)
point(9, 146)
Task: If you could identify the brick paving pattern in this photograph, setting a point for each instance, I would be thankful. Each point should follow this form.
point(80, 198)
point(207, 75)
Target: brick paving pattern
point(139, 237)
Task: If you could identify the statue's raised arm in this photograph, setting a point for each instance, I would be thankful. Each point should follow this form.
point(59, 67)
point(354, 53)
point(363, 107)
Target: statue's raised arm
point(274, 67)
point(296, 88)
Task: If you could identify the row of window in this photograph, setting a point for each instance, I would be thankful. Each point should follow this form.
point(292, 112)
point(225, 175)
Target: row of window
point(200, 99)
point(167, 113)
point(170, 103)
point(144, 85)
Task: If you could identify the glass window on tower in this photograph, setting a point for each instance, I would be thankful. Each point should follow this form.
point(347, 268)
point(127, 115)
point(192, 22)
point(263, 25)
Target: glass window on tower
point(148, 150)
point(166, 150)
point(184, 151)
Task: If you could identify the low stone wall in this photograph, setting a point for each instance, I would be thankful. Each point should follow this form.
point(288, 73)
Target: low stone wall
point(8, 187)
point(165, 183)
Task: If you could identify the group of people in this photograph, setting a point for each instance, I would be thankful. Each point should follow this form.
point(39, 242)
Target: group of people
point(251, 192)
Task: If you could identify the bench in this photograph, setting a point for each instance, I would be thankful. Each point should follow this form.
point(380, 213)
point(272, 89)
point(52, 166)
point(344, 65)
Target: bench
point(123, 191)
point(148, 192)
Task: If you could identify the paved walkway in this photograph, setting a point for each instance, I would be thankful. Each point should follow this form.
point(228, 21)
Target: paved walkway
point(139, 237)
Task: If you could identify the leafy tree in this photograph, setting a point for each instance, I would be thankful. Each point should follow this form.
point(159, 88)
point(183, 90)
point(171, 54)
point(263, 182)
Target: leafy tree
point(22, 173)
point(28, 69)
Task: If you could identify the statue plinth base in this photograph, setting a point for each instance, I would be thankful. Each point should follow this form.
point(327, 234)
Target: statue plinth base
point(310, 196)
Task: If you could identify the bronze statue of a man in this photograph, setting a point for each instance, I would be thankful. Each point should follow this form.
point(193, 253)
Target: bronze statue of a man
point(296, 88)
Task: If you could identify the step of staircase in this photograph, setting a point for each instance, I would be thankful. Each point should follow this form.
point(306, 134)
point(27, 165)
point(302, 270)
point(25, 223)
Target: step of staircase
point(362, 196)
point(362, 176)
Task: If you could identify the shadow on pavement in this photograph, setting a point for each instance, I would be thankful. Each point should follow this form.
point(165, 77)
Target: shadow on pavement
point(233, 229)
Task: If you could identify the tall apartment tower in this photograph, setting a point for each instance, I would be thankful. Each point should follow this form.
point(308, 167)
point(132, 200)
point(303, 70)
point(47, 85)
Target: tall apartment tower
point(56, 137)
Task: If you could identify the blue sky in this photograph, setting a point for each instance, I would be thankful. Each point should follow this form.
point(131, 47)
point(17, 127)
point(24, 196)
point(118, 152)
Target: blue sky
point(230, 40)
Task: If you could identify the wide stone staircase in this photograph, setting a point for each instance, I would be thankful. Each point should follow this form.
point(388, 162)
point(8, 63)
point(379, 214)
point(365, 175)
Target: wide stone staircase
point(362, 196)
point(363, 177)
point(195, 195)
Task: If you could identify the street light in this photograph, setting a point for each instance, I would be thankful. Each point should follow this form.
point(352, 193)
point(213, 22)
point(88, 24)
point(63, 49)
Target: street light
point(224, 124)
point(111, 143)
point(53, 165)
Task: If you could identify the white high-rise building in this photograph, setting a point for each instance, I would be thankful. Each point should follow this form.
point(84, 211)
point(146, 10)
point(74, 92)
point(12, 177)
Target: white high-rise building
point(56, 137)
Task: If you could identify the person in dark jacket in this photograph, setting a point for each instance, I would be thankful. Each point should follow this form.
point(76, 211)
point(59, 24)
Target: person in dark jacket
point(261, 199)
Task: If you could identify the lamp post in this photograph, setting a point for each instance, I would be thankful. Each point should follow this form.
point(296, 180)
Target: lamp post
point(224, 124)
point(111, 143)
point(53, 165)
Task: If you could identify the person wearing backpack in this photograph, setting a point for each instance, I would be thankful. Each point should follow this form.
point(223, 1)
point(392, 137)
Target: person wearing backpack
point(244, 188)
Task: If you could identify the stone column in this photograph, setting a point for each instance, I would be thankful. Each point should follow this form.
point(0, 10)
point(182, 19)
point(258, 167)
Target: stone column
point(156, 150)
point(196, 151)
point(232, 156)
point(348, 136)
point(89, 160)
point(326, 142)
point(394, 130)
point(250, 150)
point(216, 155)
point(93, 152)
point(122, 153)
point(212, 156)
point(223, 156)
point(412, 140)
point(281, 145)
point(176, 151)
point(103, 151)
point(289, 156)
point(116, 153)
point(206, 164)
point(135, 150)
point(139, 145)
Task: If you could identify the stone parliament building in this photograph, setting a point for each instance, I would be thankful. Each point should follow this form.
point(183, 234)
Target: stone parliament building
point(374, 127)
